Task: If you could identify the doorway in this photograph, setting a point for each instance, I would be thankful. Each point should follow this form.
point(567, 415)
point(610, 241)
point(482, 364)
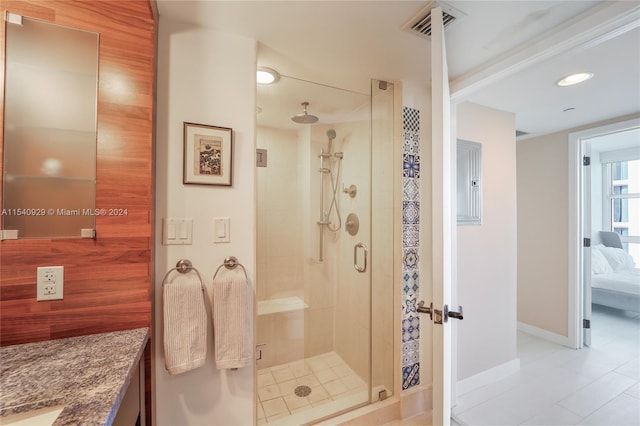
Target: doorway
point(609, 209)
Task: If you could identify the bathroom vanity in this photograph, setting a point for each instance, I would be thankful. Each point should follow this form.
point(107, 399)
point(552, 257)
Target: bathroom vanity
point(96, 379)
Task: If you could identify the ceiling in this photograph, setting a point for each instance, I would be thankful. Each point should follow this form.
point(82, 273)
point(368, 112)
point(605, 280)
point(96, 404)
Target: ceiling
point(346, 43)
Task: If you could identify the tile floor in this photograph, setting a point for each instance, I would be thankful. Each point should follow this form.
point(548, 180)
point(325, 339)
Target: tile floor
point(599, 385)
point(330, 379)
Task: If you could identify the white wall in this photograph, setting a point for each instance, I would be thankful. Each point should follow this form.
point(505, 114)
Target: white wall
point(487, 253)
point(543, 209)
point(204, 77)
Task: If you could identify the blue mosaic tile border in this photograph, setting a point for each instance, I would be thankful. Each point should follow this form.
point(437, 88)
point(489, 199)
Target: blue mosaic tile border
point(410, 244)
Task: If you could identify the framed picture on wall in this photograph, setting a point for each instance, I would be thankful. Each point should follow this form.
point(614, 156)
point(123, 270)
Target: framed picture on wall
point(207, 154)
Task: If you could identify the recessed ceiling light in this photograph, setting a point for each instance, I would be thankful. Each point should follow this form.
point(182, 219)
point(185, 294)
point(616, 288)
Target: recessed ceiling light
point(266, 75)
point(572, 79)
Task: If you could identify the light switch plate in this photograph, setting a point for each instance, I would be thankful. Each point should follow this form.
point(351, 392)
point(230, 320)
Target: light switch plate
point(221, 230)
point(177, 231)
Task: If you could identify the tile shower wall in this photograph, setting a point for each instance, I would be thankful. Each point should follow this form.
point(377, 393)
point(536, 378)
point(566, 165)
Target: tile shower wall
point(410, 244)
point(279, 258)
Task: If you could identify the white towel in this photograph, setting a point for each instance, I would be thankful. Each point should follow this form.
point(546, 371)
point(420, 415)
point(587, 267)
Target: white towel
point(185, 325)
point(231, 302)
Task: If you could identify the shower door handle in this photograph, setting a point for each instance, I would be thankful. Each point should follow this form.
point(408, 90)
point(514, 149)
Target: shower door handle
point(359, 268)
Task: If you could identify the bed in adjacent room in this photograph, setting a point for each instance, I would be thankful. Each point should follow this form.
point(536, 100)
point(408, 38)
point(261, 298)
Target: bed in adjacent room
point(615, 279)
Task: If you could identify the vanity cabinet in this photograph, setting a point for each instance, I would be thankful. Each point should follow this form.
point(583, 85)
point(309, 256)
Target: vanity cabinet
point(132, 405)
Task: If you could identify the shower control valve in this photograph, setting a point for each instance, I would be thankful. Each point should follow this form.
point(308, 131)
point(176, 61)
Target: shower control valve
point(352, 190)
point(353, 224)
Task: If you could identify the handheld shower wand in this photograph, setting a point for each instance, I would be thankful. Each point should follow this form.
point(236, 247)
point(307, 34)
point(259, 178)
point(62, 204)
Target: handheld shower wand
point(331, 134)
point(325, 216)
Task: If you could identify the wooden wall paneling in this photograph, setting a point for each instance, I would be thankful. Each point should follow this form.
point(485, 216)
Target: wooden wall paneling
point(108, 281)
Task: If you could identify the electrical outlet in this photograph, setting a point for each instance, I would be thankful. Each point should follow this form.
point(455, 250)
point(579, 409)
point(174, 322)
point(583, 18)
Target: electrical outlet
point(50, 282)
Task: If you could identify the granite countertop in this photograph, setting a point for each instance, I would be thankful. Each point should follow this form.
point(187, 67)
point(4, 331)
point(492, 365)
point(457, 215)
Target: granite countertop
point(88, 375)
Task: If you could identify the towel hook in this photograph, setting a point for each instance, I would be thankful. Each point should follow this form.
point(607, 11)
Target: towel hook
point(183, 266)
point(230, 263)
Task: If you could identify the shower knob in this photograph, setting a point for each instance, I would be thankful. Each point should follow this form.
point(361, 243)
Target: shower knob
point(352, 190)
point(353, 224)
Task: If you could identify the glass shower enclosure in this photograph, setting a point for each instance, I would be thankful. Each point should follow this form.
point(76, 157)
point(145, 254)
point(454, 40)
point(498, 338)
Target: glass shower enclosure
point(325, 249)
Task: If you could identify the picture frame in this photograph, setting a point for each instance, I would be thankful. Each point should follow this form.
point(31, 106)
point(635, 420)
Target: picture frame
point(208, 155)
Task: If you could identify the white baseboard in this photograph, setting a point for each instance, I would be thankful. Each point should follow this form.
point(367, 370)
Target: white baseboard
point(545, 334)
point(487, 377)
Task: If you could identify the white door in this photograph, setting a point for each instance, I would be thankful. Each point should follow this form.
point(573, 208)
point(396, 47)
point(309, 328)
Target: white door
point(443, 213)
point(586, 249)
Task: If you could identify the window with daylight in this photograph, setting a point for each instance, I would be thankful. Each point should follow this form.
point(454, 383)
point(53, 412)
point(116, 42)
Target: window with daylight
point(622, 192)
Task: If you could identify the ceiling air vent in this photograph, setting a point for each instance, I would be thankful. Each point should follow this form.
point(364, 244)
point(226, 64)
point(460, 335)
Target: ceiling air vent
point(420, 24)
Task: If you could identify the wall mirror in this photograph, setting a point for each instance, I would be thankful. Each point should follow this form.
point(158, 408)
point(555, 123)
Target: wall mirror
point(49, 164)
point(469, 182)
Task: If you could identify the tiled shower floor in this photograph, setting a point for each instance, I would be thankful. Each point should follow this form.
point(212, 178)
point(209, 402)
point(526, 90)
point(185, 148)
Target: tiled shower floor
point(333, 386)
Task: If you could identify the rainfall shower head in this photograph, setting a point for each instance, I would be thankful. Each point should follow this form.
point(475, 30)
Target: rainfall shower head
point(304, 117)
point(331, 134)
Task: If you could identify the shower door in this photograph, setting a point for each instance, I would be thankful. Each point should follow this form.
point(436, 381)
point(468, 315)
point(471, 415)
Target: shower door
point(314, 254)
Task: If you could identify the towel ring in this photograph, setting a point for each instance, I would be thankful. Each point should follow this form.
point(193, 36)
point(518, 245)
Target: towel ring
point(231, 262)
point(183, 266)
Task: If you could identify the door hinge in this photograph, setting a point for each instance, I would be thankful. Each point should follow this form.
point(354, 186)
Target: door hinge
point(586, 161)
point(586, 242)
point(259, 351)
point(586, 323)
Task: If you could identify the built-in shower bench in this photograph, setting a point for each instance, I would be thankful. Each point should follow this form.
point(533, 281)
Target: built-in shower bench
point(283, 304)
